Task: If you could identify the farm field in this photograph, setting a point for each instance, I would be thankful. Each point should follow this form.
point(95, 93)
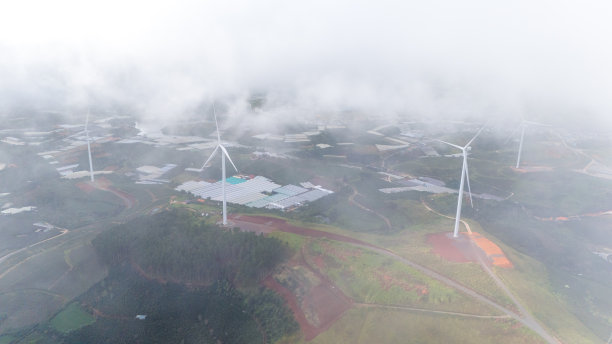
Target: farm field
point(389, 325)
point(71, 318)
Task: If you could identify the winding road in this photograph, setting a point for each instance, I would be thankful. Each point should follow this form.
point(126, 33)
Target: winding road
point(352, 200)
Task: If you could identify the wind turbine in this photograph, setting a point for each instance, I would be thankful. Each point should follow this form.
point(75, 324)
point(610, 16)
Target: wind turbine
point(86, 132)
point(524, 125)
point(464, 175)
point(224, 154)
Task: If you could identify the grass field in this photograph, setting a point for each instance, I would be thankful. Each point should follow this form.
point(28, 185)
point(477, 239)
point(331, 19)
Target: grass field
point(530, 281)
point(294, 241)
point(71, 318)
point(7, 339)
point(411, 243)
point(27, 307)
point(368, 277)
point(380, 325)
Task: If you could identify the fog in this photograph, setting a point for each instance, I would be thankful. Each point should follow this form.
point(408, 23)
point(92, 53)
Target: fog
point(476, 59)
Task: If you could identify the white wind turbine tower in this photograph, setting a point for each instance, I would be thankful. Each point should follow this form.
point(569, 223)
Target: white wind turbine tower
point(86, 132)
point(464, 175)
point(224, 154)
point(524, 125)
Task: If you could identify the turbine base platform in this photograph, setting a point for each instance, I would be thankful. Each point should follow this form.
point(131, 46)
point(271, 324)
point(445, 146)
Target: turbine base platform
point(230, 224)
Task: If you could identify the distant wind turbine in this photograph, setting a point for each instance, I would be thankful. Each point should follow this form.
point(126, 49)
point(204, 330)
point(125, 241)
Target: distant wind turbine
point(524, 125)
point(464, 175)
point(224, 154)
point(86, 132)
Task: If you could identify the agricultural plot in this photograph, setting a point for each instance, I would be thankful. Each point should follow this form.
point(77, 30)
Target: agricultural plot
point(27, 307)
point(6, 339)
point(561, 193)
point(362, 325)
point(375, 280)
point(71, 318)
point(370, 278)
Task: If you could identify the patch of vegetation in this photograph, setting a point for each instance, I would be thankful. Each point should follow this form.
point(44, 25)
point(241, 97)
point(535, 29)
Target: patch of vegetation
point(563, 193)
point(175, 313)
point(176, 245)
point(6, 339)
point(382, 325)
point(369, 277)
point(294, 241)
point(65, 205)
point(71, 318)
point(531, 282)
point(205, 291)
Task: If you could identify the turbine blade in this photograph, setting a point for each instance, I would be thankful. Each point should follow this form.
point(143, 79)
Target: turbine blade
point(91, 173)
point(450, 144)
point(228, 157)
point(467, 176)
point(475, 136)
point(210, 157)
point(216, 124)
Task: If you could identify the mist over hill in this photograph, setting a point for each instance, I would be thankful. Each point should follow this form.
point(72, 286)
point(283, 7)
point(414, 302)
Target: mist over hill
point(351, 214)
point(164, 60)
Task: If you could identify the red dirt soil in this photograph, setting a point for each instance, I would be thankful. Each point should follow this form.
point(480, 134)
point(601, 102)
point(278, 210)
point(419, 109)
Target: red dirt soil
point(388, 281)
point(450, 249)
point(104, 184)
point(527, 169)
point(309, 331)
point(249, 226)
point(325, 301)
point(459, 249)
point(85, 187)
point(491, 250)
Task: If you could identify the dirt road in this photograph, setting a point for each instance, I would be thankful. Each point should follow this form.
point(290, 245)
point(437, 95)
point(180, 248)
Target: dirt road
point(351, 200)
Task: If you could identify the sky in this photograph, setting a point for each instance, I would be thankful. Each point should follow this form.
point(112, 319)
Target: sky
point(537, 59)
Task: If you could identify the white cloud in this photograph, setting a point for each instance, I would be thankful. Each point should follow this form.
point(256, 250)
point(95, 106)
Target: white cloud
point(446, 58)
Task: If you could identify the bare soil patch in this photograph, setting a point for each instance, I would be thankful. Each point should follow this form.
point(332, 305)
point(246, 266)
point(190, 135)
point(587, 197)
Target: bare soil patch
point(251, 226)
point(528, 169)
point(452, 249)
point(85, 187)
point(460, 249)
point(495, 254)
point(104, 184)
